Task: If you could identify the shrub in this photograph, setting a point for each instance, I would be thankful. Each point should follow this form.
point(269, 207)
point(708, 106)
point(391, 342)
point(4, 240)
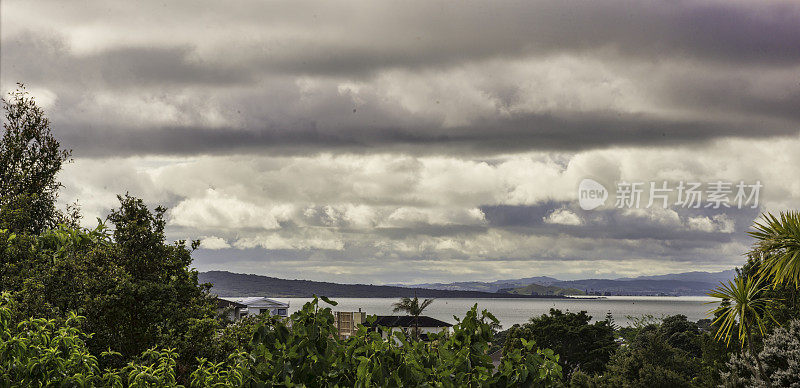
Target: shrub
point(780, 357)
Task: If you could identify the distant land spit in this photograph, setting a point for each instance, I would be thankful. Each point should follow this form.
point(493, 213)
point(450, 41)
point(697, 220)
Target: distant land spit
point(689, 283)
point(235, 284)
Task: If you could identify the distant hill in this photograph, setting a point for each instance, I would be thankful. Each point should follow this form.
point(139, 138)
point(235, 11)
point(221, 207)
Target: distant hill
point(457, 286)
point(638, 287)
point(234, 284)
point(541, 280)
point(485, 286)
point(696, 276)
point(687, 283)
point(537, 289)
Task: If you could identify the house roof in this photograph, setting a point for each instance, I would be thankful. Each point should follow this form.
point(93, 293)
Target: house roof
point(406, 321)
point(259, 301)
point(223, 303)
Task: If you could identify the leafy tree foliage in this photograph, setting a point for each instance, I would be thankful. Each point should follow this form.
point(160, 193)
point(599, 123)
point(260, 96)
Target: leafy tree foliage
point(713, 359)
point(300, 351)
point(581, 345)
point(163, 302)
point(135, 290)
point(30, 158)
point(680, 333)
point(763, 296)
point(39, 352)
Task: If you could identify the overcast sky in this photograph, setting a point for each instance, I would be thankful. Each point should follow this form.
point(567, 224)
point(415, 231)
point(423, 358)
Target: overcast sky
point(418, 141)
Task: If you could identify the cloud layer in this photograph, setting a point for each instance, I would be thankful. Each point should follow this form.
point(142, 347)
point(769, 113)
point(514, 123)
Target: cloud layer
point(420, 141)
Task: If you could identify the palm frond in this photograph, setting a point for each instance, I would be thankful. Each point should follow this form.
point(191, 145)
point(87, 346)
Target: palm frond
point(405, 304)
point(779, 244)
point(411, 306)
point(747, 307)
point(425, 304)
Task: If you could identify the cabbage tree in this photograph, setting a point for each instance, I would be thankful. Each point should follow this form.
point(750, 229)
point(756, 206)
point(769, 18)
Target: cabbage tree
point(743, 308)
point(779, 244)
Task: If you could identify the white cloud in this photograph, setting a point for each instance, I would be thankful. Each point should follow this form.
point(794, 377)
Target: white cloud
point(398, 206)
point(718, 223)
point(312, 239)
point(218, 211)
point(563, 217)
point(410, 217)
point(214, 242)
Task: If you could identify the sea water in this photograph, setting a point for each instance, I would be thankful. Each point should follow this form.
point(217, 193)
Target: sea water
point(518, 311)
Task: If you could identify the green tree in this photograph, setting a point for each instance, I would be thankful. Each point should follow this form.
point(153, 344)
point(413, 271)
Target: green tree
point(30, 159)
point(156, 299)
point(681, 333)
point(135, 290)
point(580, 345)
point(747, 307)
point(650, 361)
point(414, 308)
point(713, 359)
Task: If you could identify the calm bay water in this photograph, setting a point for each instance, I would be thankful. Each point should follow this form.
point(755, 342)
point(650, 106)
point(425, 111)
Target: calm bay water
point(513, 311)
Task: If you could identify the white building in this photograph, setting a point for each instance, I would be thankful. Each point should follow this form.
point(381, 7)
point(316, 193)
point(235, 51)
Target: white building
point(231, 309)
point(259, 305)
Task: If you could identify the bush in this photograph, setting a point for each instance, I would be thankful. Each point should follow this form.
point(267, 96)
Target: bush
point(780, 358)
point(38, 352)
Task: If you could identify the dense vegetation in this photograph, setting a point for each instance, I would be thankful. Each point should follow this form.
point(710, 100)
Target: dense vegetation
point(581, 345)
point(301, 351)
point(117, 305)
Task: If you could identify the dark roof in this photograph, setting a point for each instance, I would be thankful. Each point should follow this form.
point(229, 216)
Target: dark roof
point(406, 321)
point(497, 356)
point(223, 303)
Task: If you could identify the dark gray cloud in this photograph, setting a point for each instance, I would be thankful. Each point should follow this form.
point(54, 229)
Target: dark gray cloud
point(41, 60)
point(357, 38)
point(527, 132)
point(699, 69)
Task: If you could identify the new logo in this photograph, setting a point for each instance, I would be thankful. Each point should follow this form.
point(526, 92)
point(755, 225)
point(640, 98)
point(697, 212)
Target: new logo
point(591, 194)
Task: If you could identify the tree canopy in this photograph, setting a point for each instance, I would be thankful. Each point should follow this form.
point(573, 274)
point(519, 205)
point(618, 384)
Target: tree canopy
point(30, 159)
